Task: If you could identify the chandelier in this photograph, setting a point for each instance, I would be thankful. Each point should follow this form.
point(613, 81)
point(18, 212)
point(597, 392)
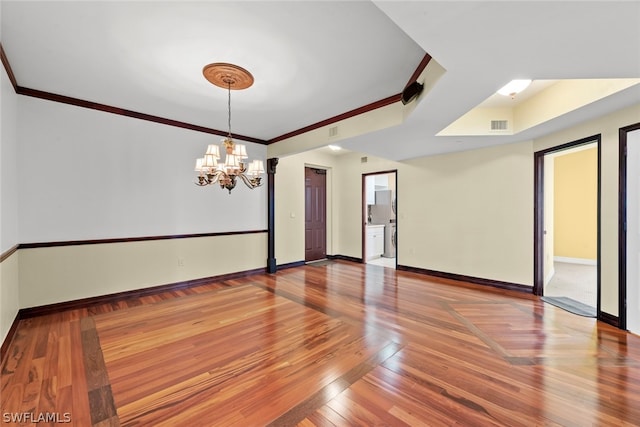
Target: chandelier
point(209, 168)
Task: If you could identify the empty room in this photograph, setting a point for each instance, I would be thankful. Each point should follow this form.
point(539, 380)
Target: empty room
point(317, 213)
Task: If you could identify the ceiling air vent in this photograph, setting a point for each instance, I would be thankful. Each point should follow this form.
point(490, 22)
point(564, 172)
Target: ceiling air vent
point(499, 125)
point(333, 132)
point(363, 159)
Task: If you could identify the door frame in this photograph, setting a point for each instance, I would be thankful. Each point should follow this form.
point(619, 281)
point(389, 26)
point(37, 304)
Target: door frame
point(622, 223)
point(538, 213)
point(363, 204)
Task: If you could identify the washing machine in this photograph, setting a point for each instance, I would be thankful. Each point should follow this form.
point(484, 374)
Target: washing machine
point(389, 241)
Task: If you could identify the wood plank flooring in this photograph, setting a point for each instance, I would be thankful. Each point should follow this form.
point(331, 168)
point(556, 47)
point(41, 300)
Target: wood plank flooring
point(336, 344)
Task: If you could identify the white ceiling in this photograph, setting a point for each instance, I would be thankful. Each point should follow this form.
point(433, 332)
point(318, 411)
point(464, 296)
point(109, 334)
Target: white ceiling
point(500, 101)
point(315, 60)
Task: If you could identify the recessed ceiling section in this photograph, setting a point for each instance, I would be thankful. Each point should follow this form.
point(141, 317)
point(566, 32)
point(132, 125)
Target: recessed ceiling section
point(389, 115)
point(542, 101)
point(310, 60)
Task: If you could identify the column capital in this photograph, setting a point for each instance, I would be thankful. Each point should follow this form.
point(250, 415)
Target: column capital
point(271, 165)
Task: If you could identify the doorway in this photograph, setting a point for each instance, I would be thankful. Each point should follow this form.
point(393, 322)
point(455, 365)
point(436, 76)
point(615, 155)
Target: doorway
point(629, 229)
point(315, 211)
point(567, 222)
point(379, 231)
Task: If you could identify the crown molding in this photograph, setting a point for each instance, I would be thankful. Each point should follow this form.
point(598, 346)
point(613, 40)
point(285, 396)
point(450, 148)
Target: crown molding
point(169, 122)
point(358, 111)
point(421, 66)
point(128, 113)
point(7, 68)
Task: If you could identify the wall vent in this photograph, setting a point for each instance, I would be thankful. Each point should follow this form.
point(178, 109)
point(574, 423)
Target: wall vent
point(499, 125)
point(363, 159)
point(333, 132)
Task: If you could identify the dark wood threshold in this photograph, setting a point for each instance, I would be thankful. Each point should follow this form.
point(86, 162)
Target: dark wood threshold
point(470, 279)
point(345, 258)
point(609, 318)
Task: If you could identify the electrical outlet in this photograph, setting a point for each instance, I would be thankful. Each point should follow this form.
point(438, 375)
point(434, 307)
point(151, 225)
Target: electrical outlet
point(180, 262)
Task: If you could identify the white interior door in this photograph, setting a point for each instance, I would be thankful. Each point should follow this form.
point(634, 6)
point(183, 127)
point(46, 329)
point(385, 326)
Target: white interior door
point(633, 231)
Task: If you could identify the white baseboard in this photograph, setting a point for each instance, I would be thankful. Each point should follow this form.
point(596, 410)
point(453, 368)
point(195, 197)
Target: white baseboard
point(583, 261)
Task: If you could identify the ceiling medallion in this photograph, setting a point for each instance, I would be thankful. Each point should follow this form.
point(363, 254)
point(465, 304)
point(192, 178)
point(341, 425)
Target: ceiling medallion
point(222, 75)
point(210, 171)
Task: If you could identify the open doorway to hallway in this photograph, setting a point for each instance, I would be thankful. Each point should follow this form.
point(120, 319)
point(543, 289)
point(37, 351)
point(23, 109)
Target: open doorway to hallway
point(379, 213)
point(567, 223)
point(571, 189)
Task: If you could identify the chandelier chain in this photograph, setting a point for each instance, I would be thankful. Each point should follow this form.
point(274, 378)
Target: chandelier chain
point(229, 107)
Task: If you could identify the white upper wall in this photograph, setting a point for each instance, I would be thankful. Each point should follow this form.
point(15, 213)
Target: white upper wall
point(86, 174)
point(9, 292)
point(8, 167)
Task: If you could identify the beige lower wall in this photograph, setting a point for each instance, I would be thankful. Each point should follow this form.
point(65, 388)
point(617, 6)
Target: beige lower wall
point(9, 302)
point(65, 273)
point(473, 214)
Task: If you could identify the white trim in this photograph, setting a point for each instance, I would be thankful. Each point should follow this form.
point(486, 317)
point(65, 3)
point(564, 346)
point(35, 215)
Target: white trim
point(583, 261)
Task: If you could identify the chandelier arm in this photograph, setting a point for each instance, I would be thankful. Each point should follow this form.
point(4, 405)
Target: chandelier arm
point(246, 180)
point(251, 182)
point(220, 175)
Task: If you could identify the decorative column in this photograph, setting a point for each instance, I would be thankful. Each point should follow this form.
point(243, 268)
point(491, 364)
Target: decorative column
point(271, 215)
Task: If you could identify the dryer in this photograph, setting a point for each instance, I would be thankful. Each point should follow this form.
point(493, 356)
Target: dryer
point(389, 241)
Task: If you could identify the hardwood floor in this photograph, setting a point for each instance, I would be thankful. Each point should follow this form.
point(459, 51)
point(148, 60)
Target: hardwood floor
point(333, 344)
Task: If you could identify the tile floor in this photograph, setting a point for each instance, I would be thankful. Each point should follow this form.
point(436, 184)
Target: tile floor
point(576, 281)
point(384, 262)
